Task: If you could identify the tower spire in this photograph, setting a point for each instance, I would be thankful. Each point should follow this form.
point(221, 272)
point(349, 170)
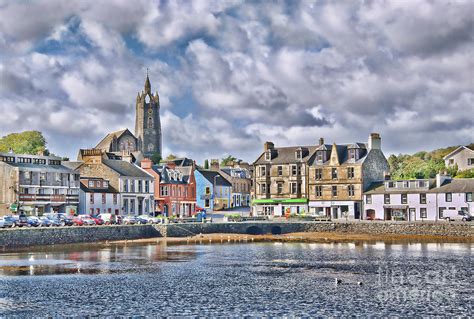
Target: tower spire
point(147, 83)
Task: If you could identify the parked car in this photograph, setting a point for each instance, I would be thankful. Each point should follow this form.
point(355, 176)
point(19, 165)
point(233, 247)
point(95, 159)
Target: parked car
point(64, 220)
point(130, 220)
point(144, 219)
point(20, 220)
point(108, 219)
point(77, 221)
point(53, 221)
point(87, 220)
point(33, 221)
point(6, 222)
point(453, 214)
point(97, 220)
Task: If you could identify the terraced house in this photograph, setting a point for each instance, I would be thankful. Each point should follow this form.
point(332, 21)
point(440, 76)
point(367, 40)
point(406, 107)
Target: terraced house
point(340, 173)
point(281, 180)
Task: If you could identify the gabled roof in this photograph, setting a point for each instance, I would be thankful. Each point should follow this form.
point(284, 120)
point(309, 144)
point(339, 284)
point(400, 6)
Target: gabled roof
point(126, 169)
point(460, 148)
point(343, 153)
point(213, 176)
point(166, 174)
point(107, 140)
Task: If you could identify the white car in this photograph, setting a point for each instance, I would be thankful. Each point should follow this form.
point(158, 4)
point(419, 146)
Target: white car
point(454, 214)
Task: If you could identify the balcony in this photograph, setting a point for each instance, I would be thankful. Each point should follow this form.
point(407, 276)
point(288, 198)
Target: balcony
point(49, 198)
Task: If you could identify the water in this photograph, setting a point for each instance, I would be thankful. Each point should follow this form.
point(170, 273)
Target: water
point(235, 280)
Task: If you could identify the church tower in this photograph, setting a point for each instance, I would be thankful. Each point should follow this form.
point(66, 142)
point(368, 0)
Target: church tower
point(147, 122)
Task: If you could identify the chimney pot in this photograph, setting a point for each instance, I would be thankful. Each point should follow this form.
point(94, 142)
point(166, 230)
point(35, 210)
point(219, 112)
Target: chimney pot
point(268, 146)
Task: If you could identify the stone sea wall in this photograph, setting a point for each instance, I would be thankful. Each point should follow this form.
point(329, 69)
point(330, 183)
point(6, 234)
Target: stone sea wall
point(24, 237)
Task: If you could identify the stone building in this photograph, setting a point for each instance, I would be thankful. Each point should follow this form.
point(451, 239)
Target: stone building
point(463, 157)
point(133, 183)
point(418, 200)
point(37, 184)
point(175, 187)
point(339, 174)
point(147, 140)
point(280, 180)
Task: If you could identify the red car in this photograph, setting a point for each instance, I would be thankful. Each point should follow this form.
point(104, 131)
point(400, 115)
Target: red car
point(77, 221)
point(97, 220)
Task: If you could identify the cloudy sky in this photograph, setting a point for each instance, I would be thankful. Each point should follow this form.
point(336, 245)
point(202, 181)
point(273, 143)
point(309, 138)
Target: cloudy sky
point(233, 74)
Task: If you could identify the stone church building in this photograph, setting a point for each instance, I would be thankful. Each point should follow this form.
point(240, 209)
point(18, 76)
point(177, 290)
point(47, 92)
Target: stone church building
point(147, 139)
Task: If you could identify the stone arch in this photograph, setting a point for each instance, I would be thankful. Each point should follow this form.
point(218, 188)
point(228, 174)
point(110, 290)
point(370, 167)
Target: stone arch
point(276, 230)
point(254, 230)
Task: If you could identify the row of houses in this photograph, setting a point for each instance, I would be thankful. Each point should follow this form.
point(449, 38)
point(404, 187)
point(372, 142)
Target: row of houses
point(351, 181)
point(116, 183)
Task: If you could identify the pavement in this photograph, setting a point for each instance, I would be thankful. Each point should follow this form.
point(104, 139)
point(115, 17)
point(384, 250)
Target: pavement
point(218, 216)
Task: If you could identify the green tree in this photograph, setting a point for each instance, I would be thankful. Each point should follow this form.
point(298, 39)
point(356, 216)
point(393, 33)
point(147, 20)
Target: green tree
point(156, 158)
point(27, 142)
point(226, 160)
point(206, 164)
point(469, 173)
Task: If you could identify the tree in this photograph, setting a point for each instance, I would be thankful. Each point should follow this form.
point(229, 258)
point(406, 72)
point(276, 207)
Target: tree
point(27, 142)
point(206, 164)
point(156, 158)
point(469, 173)
point(226, 160)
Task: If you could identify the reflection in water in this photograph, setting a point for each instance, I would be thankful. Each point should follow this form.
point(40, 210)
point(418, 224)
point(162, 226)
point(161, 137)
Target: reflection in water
point(255, 280)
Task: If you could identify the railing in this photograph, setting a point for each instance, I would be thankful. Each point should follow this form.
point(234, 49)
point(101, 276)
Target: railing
point(49, 198)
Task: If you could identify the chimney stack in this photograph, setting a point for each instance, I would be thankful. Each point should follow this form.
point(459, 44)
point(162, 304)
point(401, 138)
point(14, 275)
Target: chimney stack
point(268, 146)
point(441, 178)
point(375, 142)
point(146, 163)
point(321, 141)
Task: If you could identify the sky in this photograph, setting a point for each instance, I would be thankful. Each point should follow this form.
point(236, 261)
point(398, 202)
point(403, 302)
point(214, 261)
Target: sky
point(234, 74)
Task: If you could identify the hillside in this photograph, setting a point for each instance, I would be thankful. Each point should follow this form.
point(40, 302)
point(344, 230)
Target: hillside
point(423, 164)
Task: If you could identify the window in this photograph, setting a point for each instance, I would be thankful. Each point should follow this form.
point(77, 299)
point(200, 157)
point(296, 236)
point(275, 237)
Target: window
point(280, 188)
point(150, 122)
point(98, 184)
point(280, 170)
point(24, 160)
point(39, 161)
point(334, 173)
point(27, 175)
point(470, 161)
point(390, 184)
point(368, 199)
point(352, 153)
point(423, 212)
point(104, 198)
point(43, 176)
point(132, 186)
point(208, 190)
point(350, 172)
point(164, 191)
point(115, 199)
point(263, 171)
point(320, 156)
point(105, 184)
point(451, 161)
point(319, 191)
point(404, 198)
point(132, 206)
point(263, 188)
point(334, 191)
point(268, 156)
point(294, 188)
point(350, 190)
point(422, 198)
point(468, 197)
point(140, 186)
point(386, 198)
point(147, 186)
point(319, 173)
point(449, 197)
point(125, 185)
point(91, 198)
point(298, 154)
point(207, 203)
point(294, 170)
point(53, 162)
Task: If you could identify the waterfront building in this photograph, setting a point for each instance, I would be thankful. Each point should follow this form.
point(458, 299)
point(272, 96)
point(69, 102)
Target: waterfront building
point(339, 174)
point(37, 185)
point(462, 157)
point(241, 185)
point(133, 183)
point(420, 199)
point(281, 180)
point(212, 190)
point(147, 140)
point(97, 196)
point(175, 187)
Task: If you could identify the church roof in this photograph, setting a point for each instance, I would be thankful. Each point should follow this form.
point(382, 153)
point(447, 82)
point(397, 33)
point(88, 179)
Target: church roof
point(107, 140)
point(126, 169)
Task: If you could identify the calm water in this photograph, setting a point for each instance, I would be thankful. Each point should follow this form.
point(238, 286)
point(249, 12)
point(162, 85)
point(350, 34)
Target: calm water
point(261, 279)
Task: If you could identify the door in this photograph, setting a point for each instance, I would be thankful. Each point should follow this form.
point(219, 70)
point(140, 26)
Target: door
point(412, 214)
point(334, 212)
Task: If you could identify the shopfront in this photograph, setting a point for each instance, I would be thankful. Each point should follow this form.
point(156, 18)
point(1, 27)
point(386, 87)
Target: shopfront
point(335, 209)
point(280, 207)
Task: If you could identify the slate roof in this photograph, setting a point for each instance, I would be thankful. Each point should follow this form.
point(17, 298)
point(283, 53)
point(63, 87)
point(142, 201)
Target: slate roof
point(210, 176)
point(343, 153)
point(126, 169)
point(286, 155)
point(455, 185)
point(72, 165)
point(240, 172)
point(183, 161)
point(43, 168)
point(85, 188)
point(165, 173)
point(379, 188)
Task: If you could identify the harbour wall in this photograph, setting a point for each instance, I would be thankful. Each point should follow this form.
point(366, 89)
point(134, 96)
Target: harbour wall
point(25, 237)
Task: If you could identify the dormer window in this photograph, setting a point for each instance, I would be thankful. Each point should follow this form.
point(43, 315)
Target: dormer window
point(268, 155)
point(299, 154)
point(321, 156)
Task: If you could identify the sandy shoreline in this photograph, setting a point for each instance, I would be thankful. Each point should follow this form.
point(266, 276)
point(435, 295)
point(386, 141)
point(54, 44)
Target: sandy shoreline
point(319, 237)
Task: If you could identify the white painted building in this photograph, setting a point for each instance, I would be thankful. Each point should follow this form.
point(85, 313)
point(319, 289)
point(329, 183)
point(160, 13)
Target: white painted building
point(97, 196)
point(462, 157)
point(414, 200)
